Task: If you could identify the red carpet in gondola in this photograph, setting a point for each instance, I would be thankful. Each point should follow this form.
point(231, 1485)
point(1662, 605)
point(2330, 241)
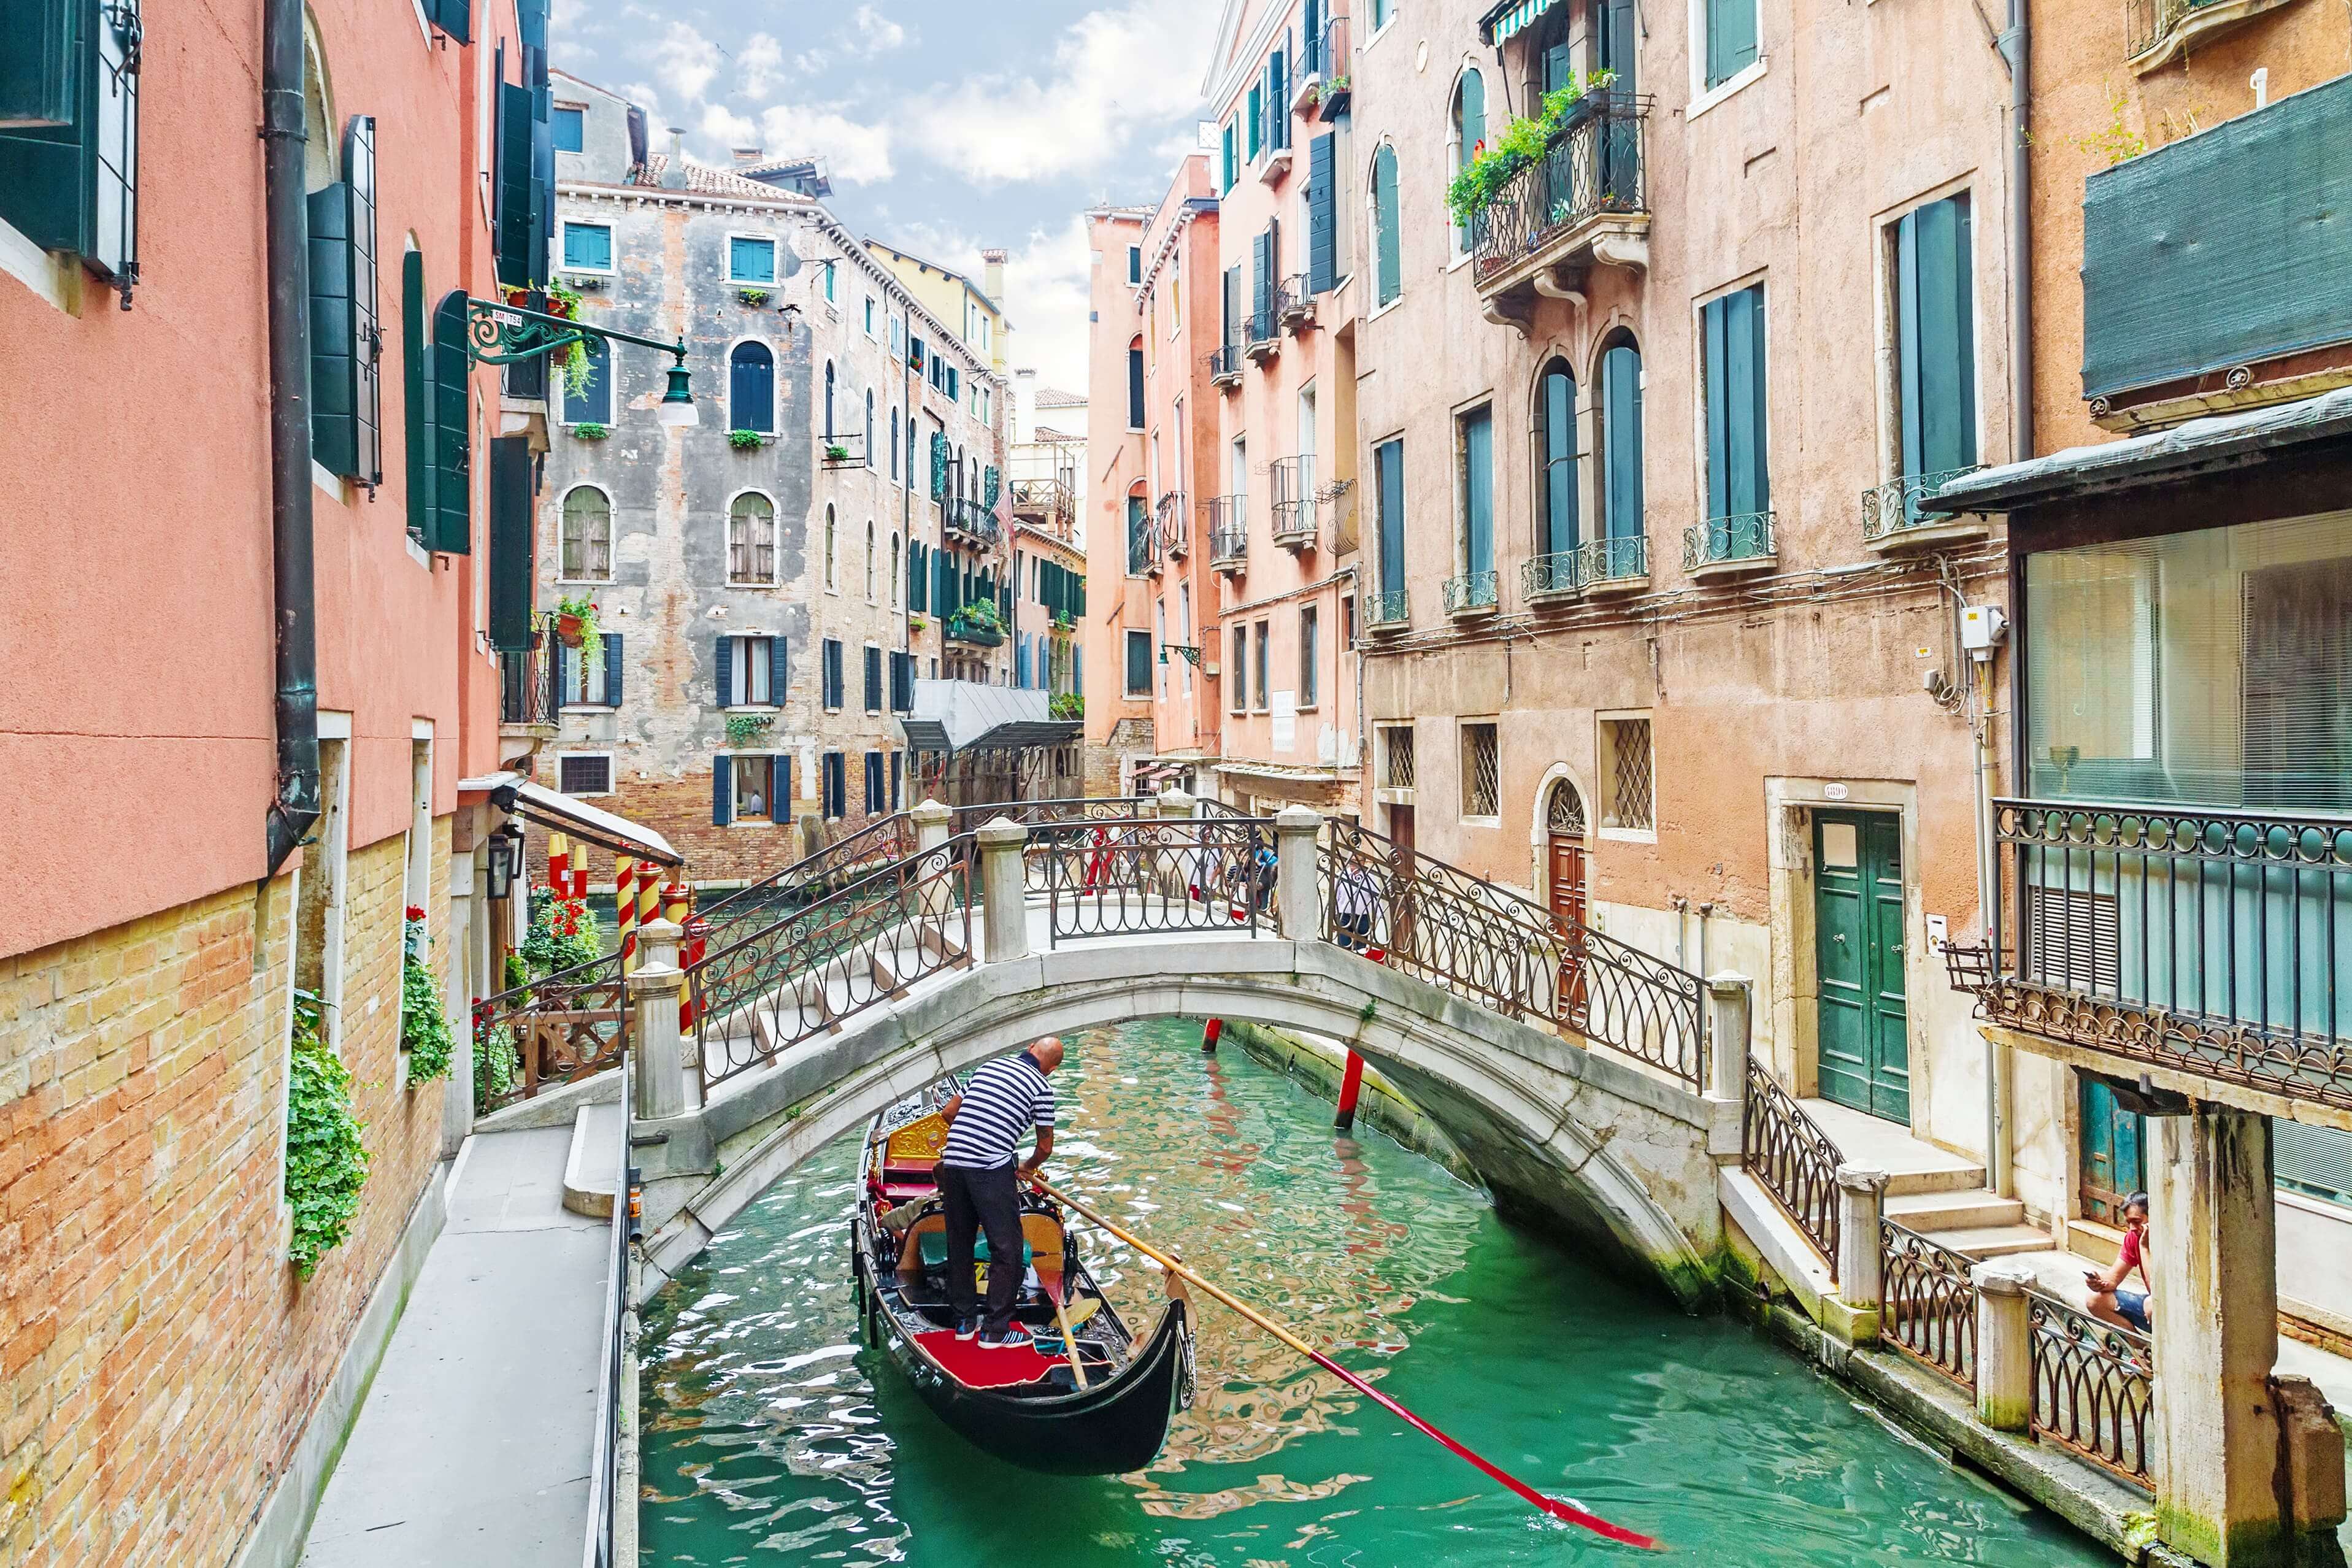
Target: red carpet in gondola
point(977, 1365)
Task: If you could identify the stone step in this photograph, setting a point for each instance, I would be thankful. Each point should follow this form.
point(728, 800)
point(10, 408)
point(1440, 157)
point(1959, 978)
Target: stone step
point(1913, 1164)
point(591, 1169)
point(1982, 1242)
point(1931, 1177)
point(1979, 1210)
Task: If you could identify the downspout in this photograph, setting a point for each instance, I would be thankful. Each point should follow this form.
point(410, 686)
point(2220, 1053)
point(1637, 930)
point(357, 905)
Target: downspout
point(286, 232)
point(2017, 53)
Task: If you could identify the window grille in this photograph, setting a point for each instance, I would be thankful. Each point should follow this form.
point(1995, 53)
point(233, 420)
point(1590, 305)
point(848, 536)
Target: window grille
point(1565, 813)
point(584, 775)
point(1396, 757)
point(1630, 803)
point(1482, 784)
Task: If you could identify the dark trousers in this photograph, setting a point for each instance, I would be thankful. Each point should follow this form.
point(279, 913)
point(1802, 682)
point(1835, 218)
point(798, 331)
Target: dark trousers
point(982, 1202)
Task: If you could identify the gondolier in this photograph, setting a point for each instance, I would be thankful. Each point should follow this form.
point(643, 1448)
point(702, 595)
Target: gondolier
point(980, 1183)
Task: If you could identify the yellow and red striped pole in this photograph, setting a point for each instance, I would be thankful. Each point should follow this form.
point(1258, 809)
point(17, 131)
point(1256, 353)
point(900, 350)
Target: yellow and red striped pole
point(648, 893)
point(559, 866)
point(678, 907)
point(624, 909)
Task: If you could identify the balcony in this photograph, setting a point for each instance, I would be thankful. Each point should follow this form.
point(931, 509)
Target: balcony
point(2158, 32)
point(1474, 595)
point(528, 702)
point(2214, 944)
point(1729, 546)
point(1548, 582)
point(1337, 500)
point(1293, 302)
point(1613, 566)
point(1334, 56)
point(846, 450)
point(1173, 525)
point(1225, 366)
point(1047, 505)
point(1584, 201)
point(978, 624)
point(1387, 614)
point(1265, 334)
point(1294, 502)
point(967, 520)
point(1902, 514)
point(1228, 522)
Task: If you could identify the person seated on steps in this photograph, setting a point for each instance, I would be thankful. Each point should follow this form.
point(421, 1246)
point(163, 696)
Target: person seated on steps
point(2109, 1302)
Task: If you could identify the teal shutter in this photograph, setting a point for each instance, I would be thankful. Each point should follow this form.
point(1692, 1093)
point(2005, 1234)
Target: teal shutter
point(1261, 285)
point(1322, 217)
point(1257, 117)
point(37, 75)
point(725, 665)
point(1232, 158)
point(1277, 76)
point(1389, 282)
point(991, 486)
point(1936, 336)
point(512, 489)
point(452, 529)
point(612, 669)
point(69, 155)
point(517, 266)
point(1730, 38)
point(1737, 470)
point(1620, 414)
point(367, 334)
point(455, 18)
point(1479, 491)
point(334, 366)
point(416, 397)
point(1613, 45)
point(938, 466)
point(722, 794)
point(1558, 488)
point(777, 683)
point(1388, 462)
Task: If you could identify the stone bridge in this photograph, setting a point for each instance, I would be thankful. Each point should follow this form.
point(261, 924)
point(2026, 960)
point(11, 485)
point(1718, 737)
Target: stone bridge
point(802, 1033)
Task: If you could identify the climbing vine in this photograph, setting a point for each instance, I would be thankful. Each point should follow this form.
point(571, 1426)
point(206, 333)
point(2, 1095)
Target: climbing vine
point(326, 1163)
point(425, 1032)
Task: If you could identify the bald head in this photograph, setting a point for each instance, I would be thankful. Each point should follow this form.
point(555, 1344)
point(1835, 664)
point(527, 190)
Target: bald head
point(1049, 1052)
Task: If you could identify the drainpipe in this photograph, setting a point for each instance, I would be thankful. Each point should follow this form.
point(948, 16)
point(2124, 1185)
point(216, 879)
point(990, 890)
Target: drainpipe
point(286, 232)
point(2017, 53)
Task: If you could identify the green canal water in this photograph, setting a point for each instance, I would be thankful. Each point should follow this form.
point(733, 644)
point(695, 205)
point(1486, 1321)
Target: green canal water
point(772, 1437)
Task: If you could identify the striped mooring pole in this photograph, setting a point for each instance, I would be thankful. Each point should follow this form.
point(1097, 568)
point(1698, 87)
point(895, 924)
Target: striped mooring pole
point(624, 909)
point(1349, 1088)
point(559, 865)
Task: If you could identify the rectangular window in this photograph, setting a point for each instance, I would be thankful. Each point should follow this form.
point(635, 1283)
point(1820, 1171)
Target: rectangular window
point(591, 684)
point(1135, 389)
point(1138, 664)
point(874, 784)
point(1238, 681)
point(1232, 144)
point(1935, 320)
point(571, 129)
point(828, 281)
point(755, 790)
point(587, 246)
point(751, 260)
point(836, 785)
point(1482, 772)
point(1259, 671)
point(833, 675)
point(1135, 264)
point(869, 316)
point(1732, 336)
point(1478, 449)
point(1256, 119)
point(1388, 466)
point(584, 775)
point(752, 675)
point(1396, 757)
point(1626, 801)
point(1309, 655)
point(1730, 38)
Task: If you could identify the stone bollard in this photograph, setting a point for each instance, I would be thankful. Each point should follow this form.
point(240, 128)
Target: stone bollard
point(1861, 1199)
point(1730, 1001)
point(2315, 1452)
point(1175, 803)
point(933, 822)
point(660, 1062)
point(1298, 900)
point(2004, 1346)
point(1003, 894)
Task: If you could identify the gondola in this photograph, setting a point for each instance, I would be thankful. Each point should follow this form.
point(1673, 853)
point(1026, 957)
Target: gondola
point(1022, 1404)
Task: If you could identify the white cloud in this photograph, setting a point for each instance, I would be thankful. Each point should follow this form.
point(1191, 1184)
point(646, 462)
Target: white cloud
point(872, 33)
point(1114, 73)
point(761, 65)
point(645, 97)
point(685, 61)
point(851, 151)
point(722, 125)
point(1047, 285)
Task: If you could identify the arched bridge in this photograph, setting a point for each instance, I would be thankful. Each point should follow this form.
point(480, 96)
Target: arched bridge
point(1570, 1070)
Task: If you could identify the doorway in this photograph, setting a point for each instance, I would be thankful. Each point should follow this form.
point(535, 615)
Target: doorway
point(1564, 835)
point(2113, 1151)
point(1866, 1056)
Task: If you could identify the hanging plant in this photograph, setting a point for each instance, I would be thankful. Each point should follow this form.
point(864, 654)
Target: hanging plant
point(425, 1032)
point(755, 298)
point(743, 729)
point(589, 430)
point(835, 452)
point(577, 625)
point(744, 440)
point(1521, 145)
point(326, 1163)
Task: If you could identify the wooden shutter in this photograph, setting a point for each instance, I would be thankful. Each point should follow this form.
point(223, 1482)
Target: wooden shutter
point(114, 147)
point(777, 683)
point(873, 783)
point(1261, 284)
point(367, 349)
point(416, 397)
point(1256, 117)
point(898, 778)
point(69, 156)
point(722, 788)
point(1322, 230)
point(1391, 279)
point(1738, 481)
point(1730, 38)
point(512, 484)
point(517, 269)
point(1277, 76)
point(1614, 44)
point(38, 73)
point(612, 669)
point(1389, 459)
point(725, 665)
point(334, 342)
point(452, 529)
point(455, 18)
point(1620, 394)
point(1937, 337)
point(873, 679)
point(1231, 171)
point(1478, 491)
point(902, 681)
point(780, 784)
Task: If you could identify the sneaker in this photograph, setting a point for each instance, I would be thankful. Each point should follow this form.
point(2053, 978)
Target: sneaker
point(1004, 1338)
point(966, 1328)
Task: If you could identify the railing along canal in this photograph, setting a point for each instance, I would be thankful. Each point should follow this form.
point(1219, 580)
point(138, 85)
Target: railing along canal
point(1928, 1305)
point(1159, 874)
point(2092, 1388)
point(1792, 1157)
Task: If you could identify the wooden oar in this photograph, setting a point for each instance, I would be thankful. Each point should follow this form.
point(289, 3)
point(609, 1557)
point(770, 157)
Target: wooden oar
point(1550, 1505)
point(1069, 1340)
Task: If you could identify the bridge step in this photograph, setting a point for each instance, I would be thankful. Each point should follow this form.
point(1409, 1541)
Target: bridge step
point(591, 1176)
point(1994, 1241)
point(1979, 1210)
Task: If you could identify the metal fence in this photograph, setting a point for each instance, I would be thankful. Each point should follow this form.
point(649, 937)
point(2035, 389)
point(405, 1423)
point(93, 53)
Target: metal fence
point(1905, 502)
point(568, 1025)
point(1927, 1303)
point(604, 1474)
point(2093, 1389)
point(1160, 874)
point(1592, 166)
point(1472, 591)
point(1743, 536)
point(1792, 1158)
point(1228, 520)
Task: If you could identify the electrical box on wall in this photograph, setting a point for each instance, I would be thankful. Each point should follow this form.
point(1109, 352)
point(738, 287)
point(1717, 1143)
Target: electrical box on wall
point(1982, 627)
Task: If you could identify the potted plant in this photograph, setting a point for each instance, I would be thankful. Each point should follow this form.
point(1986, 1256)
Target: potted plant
point(575, 623)
point(835, 452)
point(755, 298)
point(589, 430)
point(743, 729)
point(1520, 147)
point(916, 623)
point(744, 440)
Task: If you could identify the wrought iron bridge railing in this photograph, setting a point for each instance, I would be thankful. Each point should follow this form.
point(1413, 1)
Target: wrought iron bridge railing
point(1743, 536)
point(1905, 502)
point(1793, 1159)
point(1159, 874)
point(2093, 1389)
point(1593, 167)
point(2217, 942)
point(1927, 1303)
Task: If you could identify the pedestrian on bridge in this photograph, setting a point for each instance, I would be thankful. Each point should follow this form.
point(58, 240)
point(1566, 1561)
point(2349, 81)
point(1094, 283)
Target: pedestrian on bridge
point(980, 1187)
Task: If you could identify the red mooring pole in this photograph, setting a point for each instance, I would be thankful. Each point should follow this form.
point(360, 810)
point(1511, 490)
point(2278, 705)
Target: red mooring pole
point(1350, 1087)
point(1209, 1035)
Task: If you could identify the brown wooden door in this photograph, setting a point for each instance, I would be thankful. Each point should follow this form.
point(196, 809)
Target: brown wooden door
point(1401, 880)
point(1568, 902)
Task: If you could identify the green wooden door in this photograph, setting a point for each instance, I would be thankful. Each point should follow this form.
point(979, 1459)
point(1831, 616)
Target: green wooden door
point(1866, 1058)
point(2113, 1145)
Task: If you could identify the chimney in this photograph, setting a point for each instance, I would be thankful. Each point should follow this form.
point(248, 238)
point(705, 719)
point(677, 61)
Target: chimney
point(673, 175)
point(992, 277)
point(1024, 403)
point(745, 155)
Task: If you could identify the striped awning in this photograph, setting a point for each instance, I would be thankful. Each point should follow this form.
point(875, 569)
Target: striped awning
point(1510, 18)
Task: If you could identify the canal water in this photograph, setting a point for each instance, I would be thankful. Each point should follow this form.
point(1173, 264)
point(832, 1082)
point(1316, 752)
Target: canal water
point(772, 1437)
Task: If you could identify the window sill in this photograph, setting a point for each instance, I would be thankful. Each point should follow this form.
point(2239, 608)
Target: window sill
point(1627, 835)
point(756, 587)
point(584, 582)
point(1379, 310)
point(417, 551)
point(1479, 821)
point(589, 708)
point(750, 708)
point(1730, 87)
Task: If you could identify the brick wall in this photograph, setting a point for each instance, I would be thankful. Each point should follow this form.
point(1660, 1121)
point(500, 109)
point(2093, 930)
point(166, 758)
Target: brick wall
point(158, 1357)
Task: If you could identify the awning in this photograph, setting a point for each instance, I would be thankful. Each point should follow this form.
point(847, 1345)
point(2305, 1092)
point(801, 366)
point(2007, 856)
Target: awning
point(1284, 772)
point(2218, 442)
point(568, 814)
point(1512, 17)
point(957, 716)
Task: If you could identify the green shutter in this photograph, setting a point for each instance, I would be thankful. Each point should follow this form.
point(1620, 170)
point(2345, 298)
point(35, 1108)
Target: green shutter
point(1388, 462)
point(1738, 469)
point(1322, 216)
point(455, 18)
point(511, 489)
point(1620, 421)
point(1391, 279)
point(1478, 491)
point(990, 483)
point(38, 78)
point(450, 529)
point(416, 397)
point(1936, 338)
point(1233, 160)
point(517, 266)
point(334, 366)
point(1730, 38)
point(72, 186)
point(1256, 117)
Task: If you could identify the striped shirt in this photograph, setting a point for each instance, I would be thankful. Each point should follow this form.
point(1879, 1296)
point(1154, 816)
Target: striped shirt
point(1000, 1102)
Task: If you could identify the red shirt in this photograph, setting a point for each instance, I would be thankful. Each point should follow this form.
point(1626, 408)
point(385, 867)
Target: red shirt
point(2131, 1256)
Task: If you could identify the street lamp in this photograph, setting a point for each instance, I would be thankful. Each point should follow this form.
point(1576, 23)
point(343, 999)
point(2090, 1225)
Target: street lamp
point(501, 333)
point(505, 850)
point(678, 411)
point(1184, 651)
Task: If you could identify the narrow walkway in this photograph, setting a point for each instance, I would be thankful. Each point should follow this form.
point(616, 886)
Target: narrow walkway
point(474, 1444)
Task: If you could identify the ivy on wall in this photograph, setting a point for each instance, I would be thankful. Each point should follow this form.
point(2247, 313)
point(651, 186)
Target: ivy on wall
point(326, 1165)
point(424, 1031)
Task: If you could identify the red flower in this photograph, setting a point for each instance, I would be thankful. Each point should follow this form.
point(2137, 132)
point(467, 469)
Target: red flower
point(417, 911)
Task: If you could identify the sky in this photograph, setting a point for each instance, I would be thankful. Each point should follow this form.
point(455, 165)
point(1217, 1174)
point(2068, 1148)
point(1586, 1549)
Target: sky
point(944, 137)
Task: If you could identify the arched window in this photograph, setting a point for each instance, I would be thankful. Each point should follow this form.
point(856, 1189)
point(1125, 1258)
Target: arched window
point(829, 533)
point(751, 539)
point(1469, 130)
point(869, 560)
point(592, 404)
point(894, 569)
point(894, 445)
point(587, 540)
point(1620, 440)
point(828, 400)
point(1555, 445)
point(869, 427)
point(1564, 812)
point(1388, 271)
point(751, 389)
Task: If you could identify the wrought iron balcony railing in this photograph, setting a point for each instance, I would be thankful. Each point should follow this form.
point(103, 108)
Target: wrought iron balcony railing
point(1225, 366)
point(1593, 167)
point(1905, 502)
point(1173, 522)
point(1293, 479)
point(2155, 29)
point(1227, 518)
point(1264, 331)
point(1294, 302)
point(1143, 546)
point(527, 693)
point(2216, 942)
point(1338, 59)
point(1619, 559)
point(970, 517)
point(1559, 575)
point(1388, 611)
point(1724, 541)
point(1473, 593)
